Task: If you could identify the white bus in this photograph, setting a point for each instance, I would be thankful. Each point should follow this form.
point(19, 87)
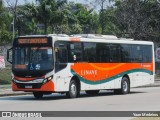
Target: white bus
point(70, 64)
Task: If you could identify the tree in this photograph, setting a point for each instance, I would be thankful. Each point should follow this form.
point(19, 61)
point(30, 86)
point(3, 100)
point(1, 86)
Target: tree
point(1, 14)
point(5, 20)
point(103, 6)
point(94, 23)
point(83, 16)
point(28, 20)
point(138, 19)
point(110, 23)
point(62, 18)
point(49, 11)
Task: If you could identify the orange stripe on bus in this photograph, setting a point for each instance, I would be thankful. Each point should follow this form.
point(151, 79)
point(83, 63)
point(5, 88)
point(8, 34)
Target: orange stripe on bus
point(99, 71)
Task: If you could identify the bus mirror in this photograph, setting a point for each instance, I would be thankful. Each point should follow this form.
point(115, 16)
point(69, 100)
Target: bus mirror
point(9, 55)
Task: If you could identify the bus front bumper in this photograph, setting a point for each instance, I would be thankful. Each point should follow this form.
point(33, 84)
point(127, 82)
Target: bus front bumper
point(32, 87)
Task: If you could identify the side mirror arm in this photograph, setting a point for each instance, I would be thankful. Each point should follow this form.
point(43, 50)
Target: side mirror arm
point(8, 51)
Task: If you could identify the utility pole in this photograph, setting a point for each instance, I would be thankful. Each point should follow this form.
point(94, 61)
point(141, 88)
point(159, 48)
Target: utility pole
point(102, 17)
point(13, 28)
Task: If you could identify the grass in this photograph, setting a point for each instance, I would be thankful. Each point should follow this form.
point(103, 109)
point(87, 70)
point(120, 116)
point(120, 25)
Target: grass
point(5, 75)
point(158, 76)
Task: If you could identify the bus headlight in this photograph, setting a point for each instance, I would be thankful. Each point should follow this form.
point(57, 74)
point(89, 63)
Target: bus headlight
point(15, 81)
point(48, 79)
point(38, 81)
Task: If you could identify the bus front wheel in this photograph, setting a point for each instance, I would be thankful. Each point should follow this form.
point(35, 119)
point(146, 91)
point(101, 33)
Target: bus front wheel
point(38, 95)
point(73, 90)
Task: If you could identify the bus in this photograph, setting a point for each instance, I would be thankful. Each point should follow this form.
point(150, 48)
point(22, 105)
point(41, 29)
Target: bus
point(45, 64)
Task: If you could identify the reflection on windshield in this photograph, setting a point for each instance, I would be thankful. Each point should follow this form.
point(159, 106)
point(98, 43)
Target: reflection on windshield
point(33, 58)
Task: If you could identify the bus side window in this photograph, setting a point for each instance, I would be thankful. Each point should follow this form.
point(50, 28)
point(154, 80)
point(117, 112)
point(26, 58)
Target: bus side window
point(89, 52)
point(126, 53)
point(75, 52)
point(137, 53)
point(62, 55)
point(147, 53)
point(103, 54)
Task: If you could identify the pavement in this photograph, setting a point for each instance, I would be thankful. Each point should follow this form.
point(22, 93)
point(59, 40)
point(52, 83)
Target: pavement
point(6, 90)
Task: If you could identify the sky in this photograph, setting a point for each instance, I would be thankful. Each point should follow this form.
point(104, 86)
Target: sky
point(89, 2)
point(21, 2)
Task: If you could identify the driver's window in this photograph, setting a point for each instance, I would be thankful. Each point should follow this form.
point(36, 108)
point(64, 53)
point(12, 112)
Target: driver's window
point(61, 55)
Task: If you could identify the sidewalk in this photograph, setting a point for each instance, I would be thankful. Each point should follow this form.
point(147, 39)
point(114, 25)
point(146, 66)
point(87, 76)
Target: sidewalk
point(155, 84)
point(6, 90)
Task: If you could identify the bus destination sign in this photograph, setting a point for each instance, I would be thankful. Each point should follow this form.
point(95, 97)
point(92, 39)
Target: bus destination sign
point(32, 40)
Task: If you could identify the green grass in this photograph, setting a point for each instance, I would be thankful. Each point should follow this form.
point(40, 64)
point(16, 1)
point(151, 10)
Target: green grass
point(157, 76)
point(5, 75)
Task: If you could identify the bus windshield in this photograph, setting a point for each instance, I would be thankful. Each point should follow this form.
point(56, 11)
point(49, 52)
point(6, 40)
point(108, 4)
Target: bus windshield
point(33, 58)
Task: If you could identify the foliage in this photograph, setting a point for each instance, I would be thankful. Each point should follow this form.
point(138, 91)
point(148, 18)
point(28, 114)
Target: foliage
point(5, 36)
point(5, 20)
point(139, 19)
point(5, 75)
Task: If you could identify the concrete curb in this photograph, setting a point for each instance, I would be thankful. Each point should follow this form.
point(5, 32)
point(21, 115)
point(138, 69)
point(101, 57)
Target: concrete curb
point(14, 94)
point(150, 85)
point(155, 84)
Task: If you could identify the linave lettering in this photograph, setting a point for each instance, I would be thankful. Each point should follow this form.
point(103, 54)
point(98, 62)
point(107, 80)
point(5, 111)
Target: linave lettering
point(88, 72)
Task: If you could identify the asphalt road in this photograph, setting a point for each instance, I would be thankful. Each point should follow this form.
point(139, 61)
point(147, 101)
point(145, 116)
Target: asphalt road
point(140, 99)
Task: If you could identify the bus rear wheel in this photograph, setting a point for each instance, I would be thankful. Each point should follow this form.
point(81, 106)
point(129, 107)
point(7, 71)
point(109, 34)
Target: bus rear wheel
point(92, 92)
point(38, 95)
point(73, 90)
point(125, 87)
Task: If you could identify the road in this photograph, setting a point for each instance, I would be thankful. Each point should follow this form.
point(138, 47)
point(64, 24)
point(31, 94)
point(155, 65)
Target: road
point(140, 99)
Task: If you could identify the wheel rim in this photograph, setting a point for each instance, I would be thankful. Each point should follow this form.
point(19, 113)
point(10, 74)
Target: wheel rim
point(125, 86)
point(73, 89)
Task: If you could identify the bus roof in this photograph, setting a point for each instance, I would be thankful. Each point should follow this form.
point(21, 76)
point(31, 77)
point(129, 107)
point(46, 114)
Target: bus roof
point(96, 37)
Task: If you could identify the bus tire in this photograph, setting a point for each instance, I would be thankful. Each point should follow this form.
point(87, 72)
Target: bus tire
point(73, 90)
point(92, 92)
point(38, 95)
point(125, 87)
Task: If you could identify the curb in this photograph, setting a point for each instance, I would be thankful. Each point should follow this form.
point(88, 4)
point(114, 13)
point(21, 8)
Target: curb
point(5, 86)
point(150, 85)
point(14, 94)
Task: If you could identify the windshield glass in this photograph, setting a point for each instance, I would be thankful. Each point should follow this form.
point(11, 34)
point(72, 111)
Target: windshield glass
point(33, 58)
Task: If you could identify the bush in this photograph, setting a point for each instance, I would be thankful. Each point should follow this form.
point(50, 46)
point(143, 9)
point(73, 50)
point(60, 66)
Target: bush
point(5, 37)
point(5, 75)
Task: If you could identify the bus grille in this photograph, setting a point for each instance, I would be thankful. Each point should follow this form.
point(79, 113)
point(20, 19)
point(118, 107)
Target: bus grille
point(33, 85)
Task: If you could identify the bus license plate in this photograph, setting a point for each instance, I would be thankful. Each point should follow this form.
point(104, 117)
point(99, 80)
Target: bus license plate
point(28, 86)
